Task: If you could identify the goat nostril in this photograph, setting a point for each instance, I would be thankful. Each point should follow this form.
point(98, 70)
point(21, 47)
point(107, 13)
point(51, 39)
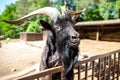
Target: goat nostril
point(74, 37)
point(77, 36)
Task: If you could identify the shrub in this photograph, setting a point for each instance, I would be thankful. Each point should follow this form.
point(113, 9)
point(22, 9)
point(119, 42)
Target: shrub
point(33, 27)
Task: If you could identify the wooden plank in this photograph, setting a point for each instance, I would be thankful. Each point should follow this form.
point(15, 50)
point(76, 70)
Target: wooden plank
point(114, 66)
point(79, 77)
point(96, 27)
point(42, 73)
point(95, 57)
point(86, 71)
point(99, 69)
point(109, 71)
point(93, 70)
point(100, 23)
point(110, 39)
point(97, 35)
point(118, 69)
point(104, 75)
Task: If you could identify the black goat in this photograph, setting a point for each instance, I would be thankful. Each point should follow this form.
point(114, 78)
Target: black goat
point(62, 42)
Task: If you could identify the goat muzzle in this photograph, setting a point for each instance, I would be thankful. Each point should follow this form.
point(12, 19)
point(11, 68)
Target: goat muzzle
point(74, 41)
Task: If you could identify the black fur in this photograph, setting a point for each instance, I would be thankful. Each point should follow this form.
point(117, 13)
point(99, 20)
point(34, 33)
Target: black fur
point(58, 48)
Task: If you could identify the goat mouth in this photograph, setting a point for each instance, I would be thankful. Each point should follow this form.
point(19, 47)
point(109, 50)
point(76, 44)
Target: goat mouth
point(74, 43)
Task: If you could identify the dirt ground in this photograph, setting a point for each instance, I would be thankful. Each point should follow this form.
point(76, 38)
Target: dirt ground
point(16, 56)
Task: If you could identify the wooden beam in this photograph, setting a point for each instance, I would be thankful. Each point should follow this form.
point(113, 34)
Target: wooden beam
point(97, 35)
point(42, 73)
point(99, 23)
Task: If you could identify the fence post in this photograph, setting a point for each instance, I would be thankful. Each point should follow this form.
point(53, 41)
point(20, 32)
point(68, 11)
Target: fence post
point(93, 69)
point(109, 72)
point(86, 70)
point(79, 72)
point(118, 69)
point(99, 71)
point(97, 35)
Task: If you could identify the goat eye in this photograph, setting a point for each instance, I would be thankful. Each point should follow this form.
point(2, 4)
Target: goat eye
point(57, 28)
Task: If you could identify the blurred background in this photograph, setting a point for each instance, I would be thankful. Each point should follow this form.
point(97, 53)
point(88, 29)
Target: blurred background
point(14, 9)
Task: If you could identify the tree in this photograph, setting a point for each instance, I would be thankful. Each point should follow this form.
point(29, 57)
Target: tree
point(117, 8)
point(81, 4)
point(7, 29)
point(17, 10)
point(27, 6)
point(1, 32)
point(33, 27)
point(92, 14)
point(70, 4)
point(107, 9)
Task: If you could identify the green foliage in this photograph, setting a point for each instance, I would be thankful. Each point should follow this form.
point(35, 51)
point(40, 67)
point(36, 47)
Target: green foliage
point(17, 10)
point(81, 4)
point(70, 4)
point(106, 9)
point(96, 10)
point(117, 8)
point(26, 6)
point(92, 14)
point(1, 32)
point(7, 29)
point(11, 33)
point(33, 27)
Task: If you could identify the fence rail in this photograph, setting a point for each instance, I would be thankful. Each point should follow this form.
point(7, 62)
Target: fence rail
point(100, 67)
point(42, 73)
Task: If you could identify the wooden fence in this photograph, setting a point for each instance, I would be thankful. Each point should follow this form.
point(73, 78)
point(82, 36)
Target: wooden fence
point(108, 30)
point(100, 67)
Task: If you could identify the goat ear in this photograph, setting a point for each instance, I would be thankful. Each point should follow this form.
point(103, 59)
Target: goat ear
point(46, 25)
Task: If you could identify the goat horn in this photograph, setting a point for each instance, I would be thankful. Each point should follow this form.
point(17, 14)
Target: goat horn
point(75, 13)
point(49, 11)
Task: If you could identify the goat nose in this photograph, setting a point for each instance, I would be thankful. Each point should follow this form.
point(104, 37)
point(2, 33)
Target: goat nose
point(75, 35)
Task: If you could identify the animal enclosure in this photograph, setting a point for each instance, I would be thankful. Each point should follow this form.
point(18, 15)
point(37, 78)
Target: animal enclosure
point(101, 67)
point(107, 30)
point(31, 36)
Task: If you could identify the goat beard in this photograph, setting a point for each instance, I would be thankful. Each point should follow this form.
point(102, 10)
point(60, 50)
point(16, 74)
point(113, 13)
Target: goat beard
point(69, 57)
